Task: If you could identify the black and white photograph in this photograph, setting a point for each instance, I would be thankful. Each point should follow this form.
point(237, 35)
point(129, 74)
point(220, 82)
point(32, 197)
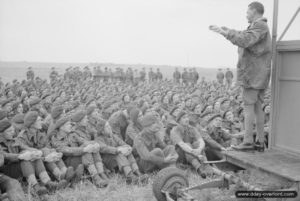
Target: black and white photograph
point(158, 100)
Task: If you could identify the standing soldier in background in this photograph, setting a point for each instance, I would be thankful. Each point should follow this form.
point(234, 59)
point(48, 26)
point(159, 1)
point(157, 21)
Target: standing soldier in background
point(129, 75)
point(30, 74)
point(151, 75)
point(123, 75)
point(185, 77)
point(95, 73)
point(229, 77)
point(1, 84)
point(143, 75)
point(106, 75)
point(195, 76)
point(159, 76)
point(53, 75)
point(190, 79)
point(136, 76)
point(220, 76)
point(176, 76)
point(99, 73)
point(111, 75)
point(87, 73)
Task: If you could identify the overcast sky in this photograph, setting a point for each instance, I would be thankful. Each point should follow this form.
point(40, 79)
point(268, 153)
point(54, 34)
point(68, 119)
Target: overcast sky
point(173, 32)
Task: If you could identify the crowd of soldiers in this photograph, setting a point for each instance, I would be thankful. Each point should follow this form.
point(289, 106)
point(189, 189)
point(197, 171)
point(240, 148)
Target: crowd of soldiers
point(101, 123)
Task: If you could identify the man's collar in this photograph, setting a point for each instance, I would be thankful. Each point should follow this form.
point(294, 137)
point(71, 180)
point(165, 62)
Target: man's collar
point(258, 19)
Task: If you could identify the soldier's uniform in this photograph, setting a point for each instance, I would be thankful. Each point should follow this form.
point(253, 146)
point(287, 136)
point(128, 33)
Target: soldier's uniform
point(142, 75)
point(72, 146)
point(118, 122)
point(229, 77)
point(185, 77)
point(159, 76)
point(191, 137)
point(80, 137)
point(131, 133)
point(32, 139)
point(53, 75)
point(220, 135)
point(35, 139)
point(151, 150)
point(220, 77)
point(112, 158)
point(30, 75)
point(9, 185)
point(176, 76)
point(151, 76)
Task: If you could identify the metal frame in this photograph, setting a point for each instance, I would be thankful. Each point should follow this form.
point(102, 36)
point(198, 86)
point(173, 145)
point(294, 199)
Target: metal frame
point(277, 47)
point(282, 46)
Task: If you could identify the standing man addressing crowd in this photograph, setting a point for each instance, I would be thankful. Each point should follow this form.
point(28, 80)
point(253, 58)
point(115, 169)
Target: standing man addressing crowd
point(253, 73)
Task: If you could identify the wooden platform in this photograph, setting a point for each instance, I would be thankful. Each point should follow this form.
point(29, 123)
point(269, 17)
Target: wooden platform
point(274, 162)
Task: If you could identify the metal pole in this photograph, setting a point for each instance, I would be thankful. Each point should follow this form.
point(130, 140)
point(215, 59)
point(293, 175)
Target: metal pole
point(289, 24)
point(273, 74)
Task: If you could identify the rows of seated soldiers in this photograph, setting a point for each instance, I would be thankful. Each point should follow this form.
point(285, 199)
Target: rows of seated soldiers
point(54, 134)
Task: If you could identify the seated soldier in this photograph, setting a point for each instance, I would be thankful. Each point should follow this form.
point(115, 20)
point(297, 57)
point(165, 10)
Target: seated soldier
point(8, 185)
point(153, 153)
point(134, 127)
point(82, 138)
point(74, 155)
point(220, 136)
point(56, 113)
point(53, 160)
point(189, 144)
point(31, 140)
point(116, 153)
point(119, 121)
point(229, 123)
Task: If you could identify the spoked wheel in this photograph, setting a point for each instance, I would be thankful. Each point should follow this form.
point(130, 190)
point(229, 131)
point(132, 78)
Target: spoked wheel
point(169, 180)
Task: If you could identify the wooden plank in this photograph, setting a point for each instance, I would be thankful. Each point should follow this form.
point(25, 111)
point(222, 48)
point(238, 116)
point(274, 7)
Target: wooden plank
point(274, 162)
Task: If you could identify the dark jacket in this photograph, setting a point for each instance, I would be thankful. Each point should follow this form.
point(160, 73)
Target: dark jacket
point(255, 53)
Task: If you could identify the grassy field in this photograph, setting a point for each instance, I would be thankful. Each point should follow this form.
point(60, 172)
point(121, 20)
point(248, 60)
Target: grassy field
point(118, 190)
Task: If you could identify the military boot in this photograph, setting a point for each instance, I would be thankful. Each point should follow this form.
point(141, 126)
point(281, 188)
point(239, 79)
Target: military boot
point(132, 179)
point(53, 186)
point(70, 174)
point(98, 182)
point(39, 190)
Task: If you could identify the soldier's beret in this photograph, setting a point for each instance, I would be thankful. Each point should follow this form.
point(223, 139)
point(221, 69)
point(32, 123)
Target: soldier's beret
point(225, 113)
point(213, 117)
point(173, 110)
point(4, 124)
point(45, 95)
point(90, 109)
point(60, 122)
point(78, 116)
point(224, 100)
point(18, 119)
point(34, 101)
point(3, 114)
point(148, 120)
point(57, 111)
point(6, 101)
point(30, 118)
point(205, 114)
point(180, 115)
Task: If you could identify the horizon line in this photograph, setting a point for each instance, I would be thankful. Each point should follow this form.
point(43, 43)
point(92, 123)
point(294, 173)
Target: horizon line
point(111, 63)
